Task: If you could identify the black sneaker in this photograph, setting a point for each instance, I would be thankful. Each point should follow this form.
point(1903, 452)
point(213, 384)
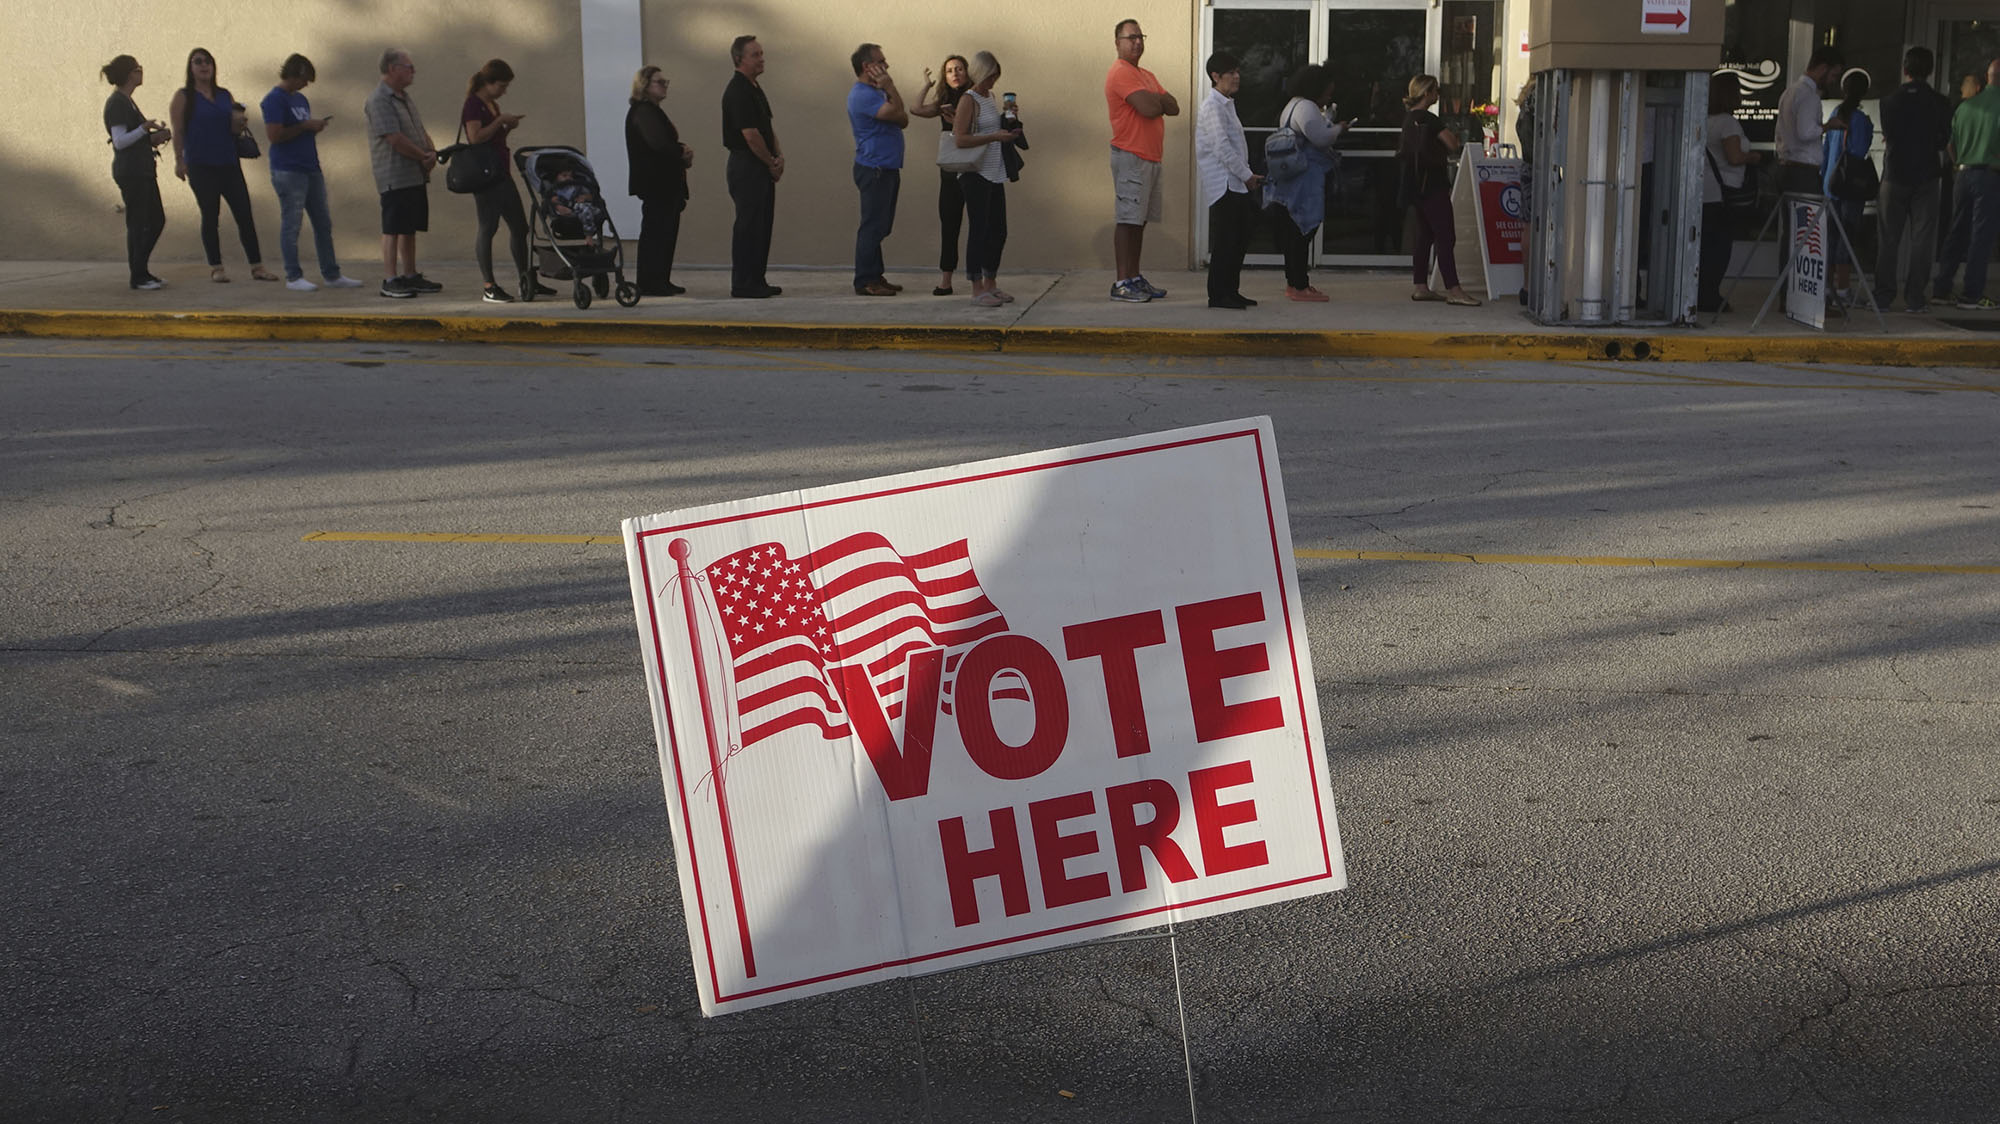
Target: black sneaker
point(494, 294)
point(396, 287)
point(418, 283)
point(542, 290)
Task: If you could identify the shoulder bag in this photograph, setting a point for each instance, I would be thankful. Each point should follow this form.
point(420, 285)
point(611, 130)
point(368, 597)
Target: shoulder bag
point(470, 168)
point(1742, 198)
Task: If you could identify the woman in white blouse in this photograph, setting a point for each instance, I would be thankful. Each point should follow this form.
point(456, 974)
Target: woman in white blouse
point(976, 124)
point(1223, 161)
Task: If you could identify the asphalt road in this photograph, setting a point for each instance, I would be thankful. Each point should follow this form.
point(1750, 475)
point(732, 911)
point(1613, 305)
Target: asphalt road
point(372, 830)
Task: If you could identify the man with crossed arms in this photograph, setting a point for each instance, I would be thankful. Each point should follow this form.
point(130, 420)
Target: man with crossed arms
point(1139, 105)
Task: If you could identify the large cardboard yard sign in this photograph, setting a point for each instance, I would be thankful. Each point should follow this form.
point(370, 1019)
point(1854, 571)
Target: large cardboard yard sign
point(936, 719)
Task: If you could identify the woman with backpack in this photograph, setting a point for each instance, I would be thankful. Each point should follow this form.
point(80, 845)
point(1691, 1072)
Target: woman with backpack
point(1297, 203)
point(1848, 175)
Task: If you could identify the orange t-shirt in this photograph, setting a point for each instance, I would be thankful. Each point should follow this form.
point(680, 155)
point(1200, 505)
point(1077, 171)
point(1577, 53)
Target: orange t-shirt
point(1144, 137)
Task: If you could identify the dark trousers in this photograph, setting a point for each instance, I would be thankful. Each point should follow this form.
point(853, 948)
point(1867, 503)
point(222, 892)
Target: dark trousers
point(499, 202)
point(1716, 242)
point(986, 212)
point(659, 233)
point(1228, 239)
point(215, 184)
point(879, 189)
point(1906, 208)
point(1961, 244)
point(1435, 231)
point(1295, 244)
point(756, 197)
point(951, 214)
point(145, 218)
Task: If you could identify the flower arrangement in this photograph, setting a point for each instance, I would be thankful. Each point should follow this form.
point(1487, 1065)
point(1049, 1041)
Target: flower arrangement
point(1486, 109)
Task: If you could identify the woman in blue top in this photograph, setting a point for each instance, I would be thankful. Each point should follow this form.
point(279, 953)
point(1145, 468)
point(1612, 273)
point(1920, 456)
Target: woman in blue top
point(1852, 141)
point(206, 121)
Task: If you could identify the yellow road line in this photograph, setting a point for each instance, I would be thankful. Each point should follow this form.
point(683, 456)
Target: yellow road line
point(1314, 555)
point(1614, 560)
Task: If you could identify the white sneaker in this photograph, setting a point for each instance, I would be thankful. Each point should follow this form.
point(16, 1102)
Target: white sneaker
point(300, 285)
point(343, 283)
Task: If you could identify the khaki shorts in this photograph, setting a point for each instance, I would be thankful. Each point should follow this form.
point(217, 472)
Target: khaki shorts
point(1136, 181)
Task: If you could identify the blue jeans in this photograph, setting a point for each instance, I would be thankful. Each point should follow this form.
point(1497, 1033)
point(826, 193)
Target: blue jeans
point(1983, 188)
point(301, 194)
point(879, 189)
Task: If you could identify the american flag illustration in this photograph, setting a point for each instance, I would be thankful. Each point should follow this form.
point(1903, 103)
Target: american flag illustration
point(1806, 235)
point(785, 620)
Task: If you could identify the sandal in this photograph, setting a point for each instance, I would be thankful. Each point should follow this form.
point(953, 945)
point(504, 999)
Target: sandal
point(1463, 300)
point(259, 273)
point(218, 274)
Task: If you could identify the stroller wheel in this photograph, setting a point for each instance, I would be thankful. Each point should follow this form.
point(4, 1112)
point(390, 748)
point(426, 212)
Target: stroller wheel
point(529, 282)
point(628, 294)
point(582, 295)
point(603, 284)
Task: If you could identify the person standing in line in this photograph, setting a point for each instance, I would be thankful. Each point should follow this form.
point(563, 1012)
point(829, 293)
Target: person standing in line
point(499, 201)
point(659, 164)
point(756, 164)
point(295, 175)
point(877, 117)
point(1222, 161)
point(1916, 126)
point(940, 99)
point(1801, 133)
point(206, 123)
point(1958, 225)
point(401, 156)
point(1139, 105)
point(1853, 140)
point(1424, 154)
point(1728, 154)
point(977, 125)
point(135, 148)
point(1298, 205)
point(1975, 146)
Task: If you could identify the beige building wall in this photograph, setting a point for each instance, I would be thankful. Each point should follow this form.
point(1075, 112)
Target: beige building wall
point(1054, 57)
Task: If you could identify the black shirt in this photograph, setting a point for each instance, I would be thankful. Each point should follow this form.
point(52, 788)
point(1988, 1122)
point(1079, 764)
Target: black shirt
point(653, 153)
point(135, 160)
point(1916, 123)
point(1422, 156)
point(745, 107)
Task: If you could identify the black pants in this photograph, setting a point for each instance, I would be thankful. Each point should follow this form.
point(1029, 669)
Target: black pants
point(1228, 240)
point(986, 208)
point(1294, 244)
point(1716, 242)
point(756, 196)
point(145, 218)
point(215, 184)
point(500, 201)
point(659, 233)
point(951, 216)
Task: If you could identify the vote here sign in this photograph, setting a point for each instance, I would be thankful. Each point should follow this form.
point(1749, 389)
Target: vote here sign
point(929, 720)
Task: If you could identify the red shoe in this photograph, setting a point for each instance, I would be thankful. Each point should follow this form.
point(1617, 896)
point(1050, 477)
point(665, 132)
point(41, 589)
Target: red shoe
point(1306, 294)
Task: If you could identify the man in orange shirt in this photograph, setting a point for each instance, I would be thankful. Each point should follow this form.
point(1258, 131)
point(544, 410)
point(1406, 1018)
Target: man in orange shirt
point(1138, 105)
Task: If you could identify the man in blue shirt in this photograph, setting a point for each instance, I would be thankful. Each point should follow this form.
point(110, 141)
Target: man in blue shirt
point(876, 112)
point(293, 132)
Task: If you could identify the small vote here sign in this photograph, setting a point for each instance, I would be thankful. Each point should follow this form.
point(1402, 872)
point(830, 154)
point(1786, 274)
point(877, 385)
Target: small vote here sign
point(930, 720)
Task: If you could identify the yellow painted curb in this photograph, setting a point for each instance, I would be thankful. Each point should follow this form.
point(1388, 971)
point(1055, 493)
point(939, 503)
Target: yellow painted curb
point(1686, 345)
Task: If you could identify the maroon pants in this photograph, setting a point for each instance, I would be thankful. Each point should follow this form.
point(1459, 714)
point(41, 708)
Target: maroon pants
point(1434, 230)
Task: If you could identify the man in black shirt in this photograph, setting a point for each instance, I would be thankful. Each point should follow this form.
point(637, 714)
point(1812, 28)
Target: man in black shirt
point(1916, 124)
point(755, 166)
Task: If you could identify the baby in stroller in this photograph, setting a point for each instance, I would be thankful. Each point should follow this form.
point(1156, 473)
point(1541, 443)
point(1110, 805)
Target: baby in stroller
point(569, 195)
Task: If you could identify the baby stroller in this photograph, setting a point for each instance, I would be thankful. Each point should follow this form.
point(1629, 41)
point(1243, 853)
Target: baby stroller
point(570, 233)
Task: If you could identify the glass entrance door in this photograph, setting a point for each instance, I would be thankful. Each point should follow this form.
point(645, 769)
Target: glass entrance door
point(1374, 48)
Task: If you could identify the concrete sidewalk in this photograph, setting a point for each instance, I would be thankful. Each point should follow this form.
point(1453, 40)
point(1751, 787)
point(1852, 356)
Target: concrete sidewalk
point(1370, 316)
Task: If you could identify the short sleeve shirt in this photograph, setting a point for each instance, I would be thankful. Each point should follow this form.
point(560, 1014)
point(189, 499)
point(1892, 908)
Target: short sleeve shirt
point(1144, 137)
point(476, 113)
point(877, 143)
point(389, 112)
point(1975, 129)
point(301, 153)
point(1720, 127)
point(744, 106)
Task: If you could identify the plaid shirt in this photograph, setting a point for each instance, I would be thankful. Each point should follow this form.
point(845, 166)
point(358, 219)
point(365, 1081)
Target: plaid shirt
point(390, 112)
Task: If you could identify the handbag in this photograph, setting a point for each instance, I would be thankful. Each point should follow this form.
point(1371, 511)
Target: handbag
point(1855, 179)
point(470, 168)
point(246, 146)
point(952, 158)
point(1742, 198)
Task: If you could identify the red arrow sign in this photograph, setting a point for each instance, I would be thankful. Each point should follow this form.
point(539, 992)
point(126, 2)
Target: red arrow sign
point(1676, 18)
